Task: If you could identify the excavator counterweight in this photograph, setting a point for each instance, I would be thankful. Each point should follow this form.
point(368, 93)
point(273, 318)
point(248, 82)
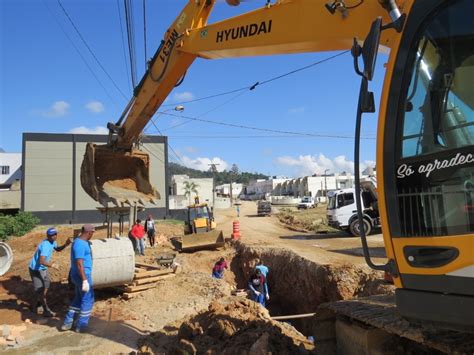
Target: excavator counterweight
point(117, 177)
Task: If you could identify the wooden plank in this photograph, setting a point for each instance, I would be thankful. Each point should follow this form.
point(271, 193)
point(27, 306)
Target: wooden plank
point(152, 279)
point(139, 288)
point(147, 266)
point(142, 274)
point(294, 316)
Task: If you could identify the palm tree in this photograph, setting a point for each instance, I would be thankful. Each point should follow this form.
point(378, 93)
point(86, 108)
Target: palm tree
point(189, 188)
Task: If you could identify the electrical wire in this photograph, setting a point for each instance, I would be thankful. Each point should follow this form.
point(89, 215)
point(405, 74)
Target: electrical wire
point(89, 48)
point(249, 136)
point(144, 31)
point(152, 153)
point(261, 129)
point(123, 46)
point(253, 86)
point(169, 145)
point(131, 41)
point(80, 55)
point(205, 113)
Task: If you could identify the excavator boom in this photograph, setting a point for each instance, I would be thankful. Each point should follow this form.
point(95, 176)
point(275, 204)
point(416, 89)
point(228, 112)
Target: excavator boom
point(117, 172)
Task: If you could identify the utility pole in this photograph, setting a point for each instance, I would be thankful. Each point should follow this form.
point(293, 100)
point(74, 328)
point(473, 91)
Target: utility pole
point(213, 170)
point(325, 186)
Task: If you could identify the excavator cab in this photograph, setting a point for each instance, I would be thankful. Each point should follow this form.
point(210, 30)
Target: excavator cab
point(116, 176)
point(200, 229)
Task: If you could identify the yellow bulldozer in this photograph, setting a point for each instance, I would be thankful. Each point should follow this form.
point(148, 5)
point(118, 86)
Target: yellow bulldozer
point(200, 229)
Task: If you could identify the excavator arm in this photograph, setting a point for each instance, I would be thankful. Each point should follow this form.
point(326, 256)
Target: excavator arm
point(118, 172)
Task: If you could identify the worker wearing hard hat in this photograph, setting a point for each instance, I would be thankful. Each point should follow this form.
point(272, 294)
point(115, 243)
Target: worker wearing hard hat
point(38, 267)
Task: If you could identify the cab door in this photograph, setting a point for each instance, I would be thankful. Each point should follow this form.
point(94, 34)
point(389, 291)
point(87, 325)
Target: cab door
point(428, 162)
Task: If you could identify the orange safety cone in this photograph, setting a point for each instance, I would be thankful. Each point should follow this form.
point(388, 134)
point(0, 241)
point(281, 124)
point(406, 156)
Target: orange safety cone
point(235, 230)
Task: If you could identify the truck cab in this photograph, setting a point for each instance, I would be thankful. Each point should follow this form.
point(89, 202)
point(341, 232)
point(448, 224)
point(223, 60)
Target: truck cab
point(264, 208)
point(342, 210)
point(307, 202)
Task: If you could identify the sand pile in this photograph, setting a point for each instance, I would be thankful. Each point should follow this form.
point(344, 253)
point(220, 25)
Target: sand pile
point(229, 326)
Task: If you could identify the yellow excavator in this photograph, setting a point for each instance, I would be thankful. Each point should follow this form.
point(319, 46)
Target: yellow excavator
point(200, 229)
point(425, 135)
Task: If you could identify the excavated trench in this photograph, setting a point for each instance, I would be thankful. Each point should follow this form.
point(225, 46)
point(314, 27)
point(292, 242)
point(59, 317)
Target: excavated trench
point(235, 325)
point(298, 285)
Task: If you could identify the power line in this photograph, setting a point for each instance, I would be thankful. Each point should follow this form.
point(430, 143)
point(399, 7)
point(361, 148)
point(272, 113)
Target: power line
point(253, 86)
point(89, 48)
point(249, 136)
point(144, 31)
point(169, 145)
point(80, 54)
point(131, 41)
point(319, 135)
point(123, 46)
point(209, 111)
point(153, 154)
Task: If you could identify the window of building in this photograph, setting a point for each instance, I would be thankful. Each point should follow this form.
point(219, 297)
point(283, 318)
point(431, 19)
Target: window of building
point(5, 169)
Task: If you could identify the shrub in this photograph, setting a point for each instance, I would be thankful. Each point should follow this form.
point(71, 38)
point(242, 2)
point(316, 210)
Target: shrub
point(17, 225)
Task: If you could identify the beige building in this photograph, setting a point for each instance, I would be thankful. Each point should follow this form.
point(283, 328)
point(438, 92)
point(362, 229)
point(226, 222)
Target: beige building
point(51, 186)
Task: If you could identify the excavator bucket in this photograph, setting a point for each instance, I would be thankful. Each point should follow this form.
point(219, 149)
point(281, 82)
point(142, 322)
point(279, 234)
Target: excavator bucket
point(208, 240)
point(120, 178)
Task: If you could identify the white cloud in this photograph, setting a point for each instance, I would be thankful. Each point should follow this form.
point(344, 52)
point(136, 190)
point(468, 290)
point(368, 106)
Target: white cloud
point(57, 109)
point(95, 106)
point(203, 163)
point(183, 96)
point(311, 164)
point(85, 130)
point(300, 109)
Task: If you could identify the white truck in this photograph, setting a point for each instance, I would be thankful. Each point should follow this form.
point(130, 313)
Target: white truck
point(307, 202)
point(342, 209)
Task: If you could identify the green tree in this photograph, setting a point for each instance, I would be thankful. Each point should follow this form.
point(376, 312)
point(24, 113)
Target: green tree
point(235, 170)
point(189, 188)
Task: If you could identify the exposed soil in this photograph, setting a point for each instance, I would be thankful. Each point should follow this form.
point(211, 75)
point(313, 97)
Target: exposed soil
point(302, 276)
point(229, 326)
point(128, 184)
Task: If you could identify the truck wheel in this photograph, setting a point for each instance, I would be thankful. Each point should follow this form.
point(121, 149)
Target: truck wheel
point(354, 227)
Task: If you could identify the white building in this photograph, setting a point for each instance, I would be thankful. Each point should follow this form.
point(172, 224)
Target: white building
point(204, 188)
point(224, 189)
point(257, 189)
point(315, 186)
point(10, 169)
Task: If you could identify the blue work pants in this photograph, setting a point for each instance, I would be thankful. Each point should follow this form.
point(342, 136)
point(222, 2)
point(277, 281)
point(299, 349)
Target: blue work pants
point(141, 246)
point(258, 298)
point(81, 306)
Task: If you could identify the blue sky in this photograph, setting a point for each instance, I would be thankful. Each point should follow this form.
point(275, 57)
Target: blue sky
point(47, 87)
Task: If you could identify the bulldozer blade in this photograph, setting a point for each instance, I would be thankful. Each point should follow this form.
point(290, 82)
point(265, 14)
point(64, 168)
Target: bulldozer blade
point(111, 176)
point(209, 240)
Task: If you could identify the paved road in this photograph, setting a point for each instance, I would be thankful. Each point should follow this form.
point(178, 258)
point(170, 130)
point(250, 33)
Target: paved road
point(335, 248)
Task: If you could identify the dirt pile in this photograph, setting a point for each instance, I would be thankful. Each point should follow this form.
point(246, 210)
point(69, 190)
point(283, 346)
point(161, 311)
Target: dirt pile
point(229, 326)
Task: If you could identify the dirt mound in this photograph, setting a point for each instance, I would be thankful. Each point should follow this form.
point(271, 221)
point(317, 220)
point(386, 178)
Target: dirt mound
point(229, 326)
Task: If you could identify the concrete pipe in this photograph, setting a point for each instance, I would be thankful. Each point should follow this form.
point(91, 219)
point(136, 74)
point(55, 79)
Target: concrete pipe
point(113, 262)
point(6, 258)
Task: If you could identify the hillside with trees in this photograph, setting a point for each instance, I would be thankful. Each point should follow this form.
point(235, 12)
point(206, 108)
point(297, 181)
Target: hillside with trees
point(222, 177)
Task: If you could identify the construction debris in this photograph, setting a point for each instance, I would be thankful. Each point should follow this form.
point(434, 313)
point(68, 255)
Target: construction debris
point(11, 335)
point(229, 327)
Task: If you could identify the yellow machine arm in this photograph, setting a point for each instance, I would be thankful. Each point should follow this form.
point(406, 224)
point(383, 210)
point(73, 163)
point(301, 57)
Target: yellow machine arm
point(117, 172)
point(288, 26)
